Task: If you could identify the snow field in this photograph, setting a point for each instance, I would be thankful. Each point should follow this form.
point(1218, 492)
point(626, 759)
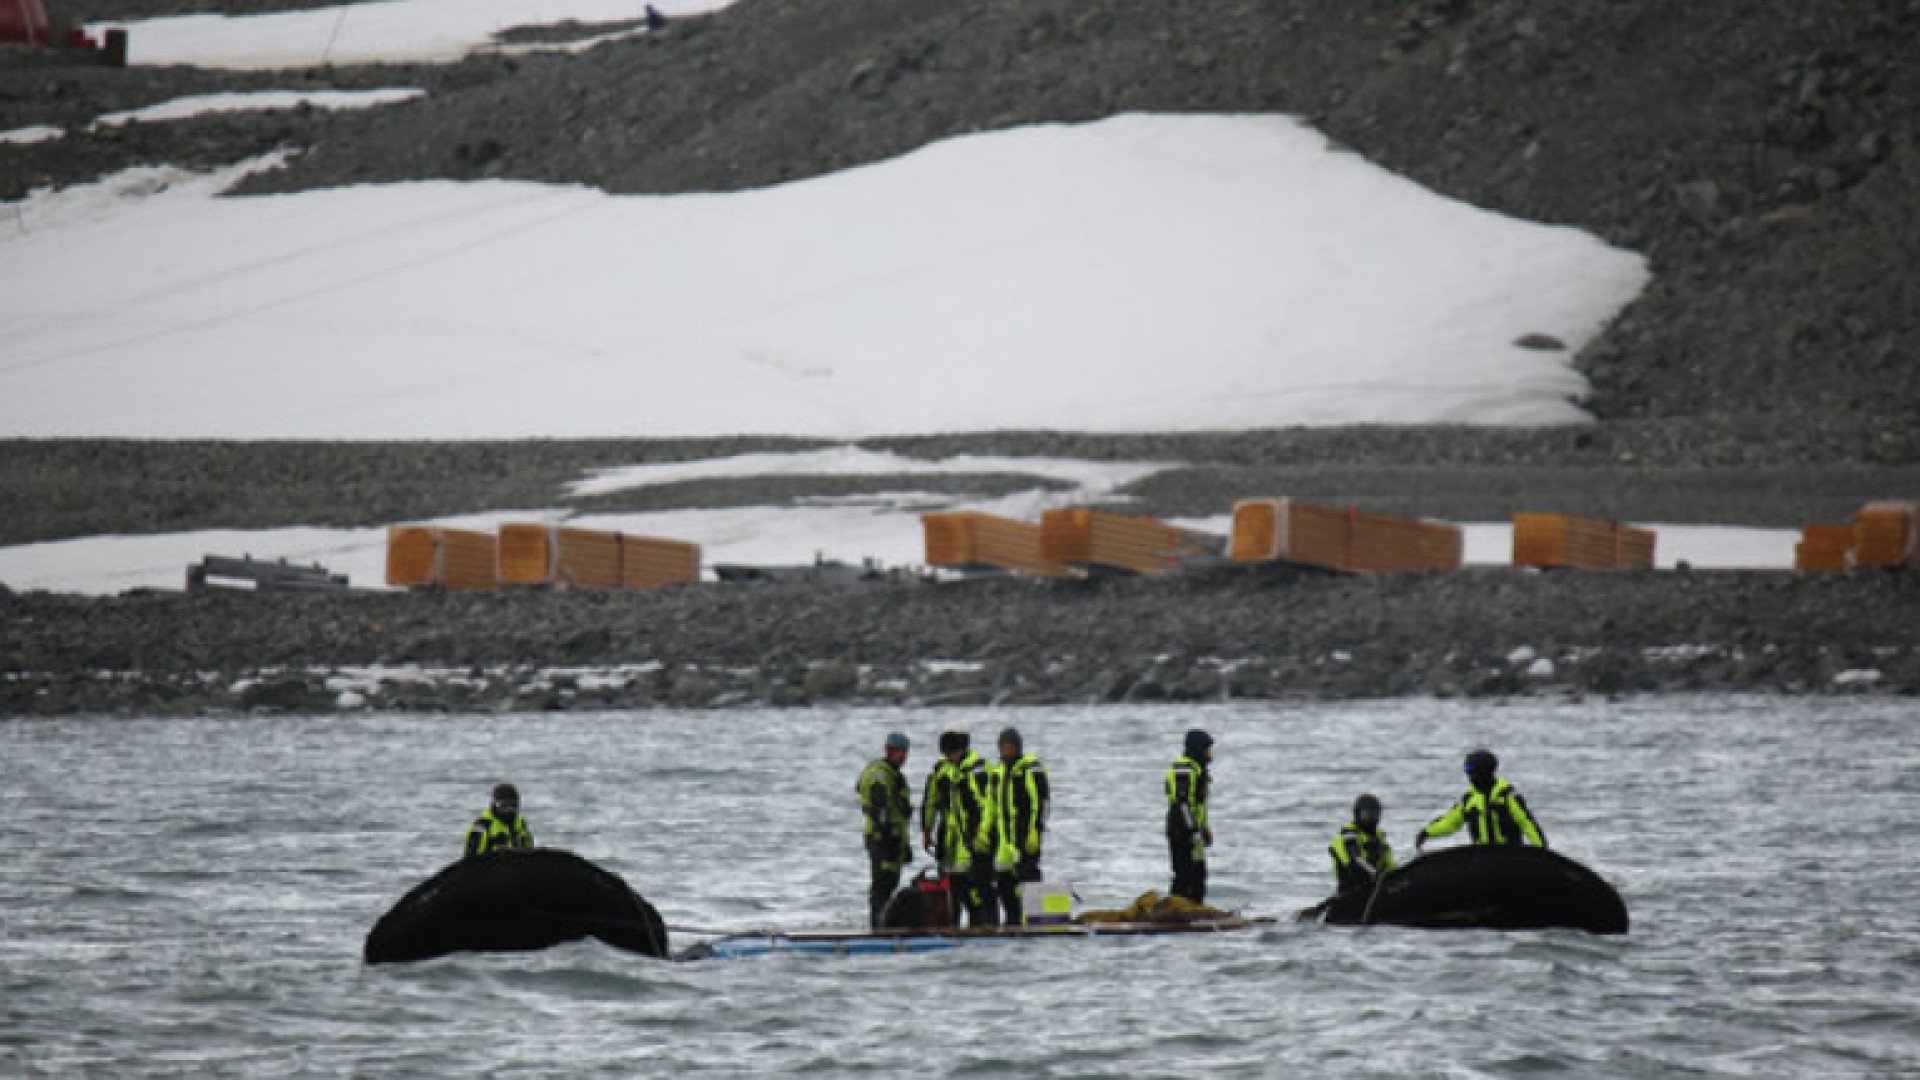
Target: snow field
point(1142, 273)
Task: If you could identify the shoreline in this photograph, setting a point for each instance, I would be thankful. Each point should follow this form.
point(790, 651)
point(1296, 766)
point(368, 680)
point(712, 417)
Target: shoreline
point(1232, 634)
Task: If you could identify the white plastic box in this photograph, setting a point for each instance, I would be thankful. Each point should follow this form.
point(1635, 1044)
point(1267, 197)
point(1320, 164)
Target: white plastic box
point(1046, 903)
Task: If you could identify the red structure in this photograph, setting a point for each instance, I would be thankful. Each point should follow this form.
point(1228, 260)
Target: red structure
point(24, 22)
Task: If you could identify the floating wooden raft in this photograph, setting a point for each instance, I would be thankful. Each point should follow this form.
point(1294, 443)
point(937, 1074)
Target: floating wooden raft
point(571, 558)
point(432, 556)
point(1082, 537)
point(1340, 538)
point(1887, 534)
point(1566, 542)
point(968, 539)
point(1823, 547)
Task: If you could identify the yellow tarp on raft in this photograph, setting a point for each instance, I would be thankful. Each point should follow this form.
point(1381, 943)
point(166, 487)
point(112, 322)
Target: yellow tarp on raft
point(1151, 907)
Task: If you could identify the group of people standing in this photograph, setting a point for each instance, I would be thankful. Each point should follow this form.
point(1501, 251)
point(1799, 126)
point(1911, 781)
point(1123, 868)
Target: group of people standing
point(984, 824)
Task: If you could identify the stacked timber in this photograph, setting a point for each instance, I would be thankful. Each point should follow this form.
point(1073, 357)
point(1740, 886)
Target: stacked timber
point(966, 540)
point(564, 557)
point(1824, 547)
point(646, 563)
point(434, 557)
point(1282, 530)
point(1887, 534)
point(1082, 537)
point(1562, 541)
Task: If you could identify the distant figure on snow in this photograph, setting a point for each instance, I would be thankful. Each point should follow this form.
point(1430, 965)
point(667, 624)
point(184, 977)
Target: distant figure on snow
point(500, 825)
point(655, 20)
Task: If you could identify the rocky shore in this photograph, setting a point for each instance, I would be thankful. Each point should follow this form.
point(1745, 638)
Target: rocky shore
point(1761, 153)
point(1226, 634)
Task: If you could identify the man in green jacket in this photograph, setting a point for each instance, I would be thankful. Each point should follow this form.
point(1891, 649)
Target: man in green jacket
point(956, 800)
point(1188, 834)
point(499, 825)
point(887, 805)
point(1015, 822)
point(1492, 811)
point(1360, 851)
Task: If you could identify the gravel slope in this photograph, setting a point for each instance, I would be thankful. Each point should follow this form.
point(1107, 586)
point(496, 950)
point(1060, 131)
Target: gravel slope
point(1232, 633)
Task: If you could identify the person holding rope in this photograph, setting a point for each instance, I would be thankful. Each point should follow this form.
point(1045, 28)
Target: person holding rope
point(1360, 850)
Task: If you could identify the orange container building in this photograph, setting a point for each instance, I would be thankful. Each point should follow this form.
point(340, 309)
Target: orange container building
point(431, 556)
point(1085, 537)
point(1824, 547)
point(1887, 534)
point(1282, 530)
point(1561, 541)
point(968, 540)
point(646, 563)
point(560, 556)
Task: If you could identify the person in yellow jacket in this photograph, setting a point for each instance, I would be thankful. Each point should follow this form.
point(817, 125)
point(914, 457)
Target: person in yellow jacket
point(950, 813)
point(887, 805)
point(1188, 834)
point(1491, 810)
point(1015, 822)
point(499, 825)
point(1360, 850)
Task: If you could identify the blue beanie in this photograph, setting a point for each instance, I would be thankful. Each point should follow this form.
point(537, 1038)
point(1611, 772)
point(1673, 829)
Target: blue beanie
point(898, 741)
point(1012, 735)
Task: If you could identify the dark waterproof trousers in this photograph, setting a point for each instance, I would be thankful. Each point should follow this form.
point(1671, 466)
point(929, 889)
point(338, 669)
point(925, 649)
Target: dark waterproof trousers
point(977, 895)
point(1189, 873)
point(886, 881)
point(1007, 887)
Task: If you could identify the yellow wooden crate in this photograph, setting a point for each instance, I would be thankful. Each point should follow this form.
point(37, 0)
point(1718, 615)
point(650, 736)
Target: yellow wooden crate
point(1340, 538)
point(1824, 547)
point(647, 563)
point(1887, 534)
point(963, 539)
point(1567, 542)
point(1142, 545)
point(560, 556)
point(432, 556)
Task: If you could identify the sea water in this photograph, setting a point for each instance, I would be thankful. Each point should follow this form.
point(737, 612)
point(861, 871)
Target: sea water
point(189, 897)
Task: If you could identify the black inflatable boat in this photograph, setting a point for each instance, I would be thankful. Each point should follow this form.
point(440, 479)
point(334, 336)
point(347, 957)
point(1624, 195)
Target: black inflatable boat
point(1493, 887)
point(515, 901)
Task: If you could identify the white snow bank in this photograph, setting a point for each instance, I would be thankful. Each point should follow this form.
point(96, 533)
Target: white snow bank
point(1137, 274)
point(388, 31)
point(1703, 547)
point(25, 136)
point(1091, 479)
point(262, 101)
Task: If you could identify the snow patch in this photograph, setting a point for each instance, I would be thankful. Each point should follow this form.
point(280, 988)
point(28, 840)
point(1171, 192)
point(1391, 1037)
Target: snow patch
point(26, 136)
point(261, 101)
point(389, 31)
point(1141, 273)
